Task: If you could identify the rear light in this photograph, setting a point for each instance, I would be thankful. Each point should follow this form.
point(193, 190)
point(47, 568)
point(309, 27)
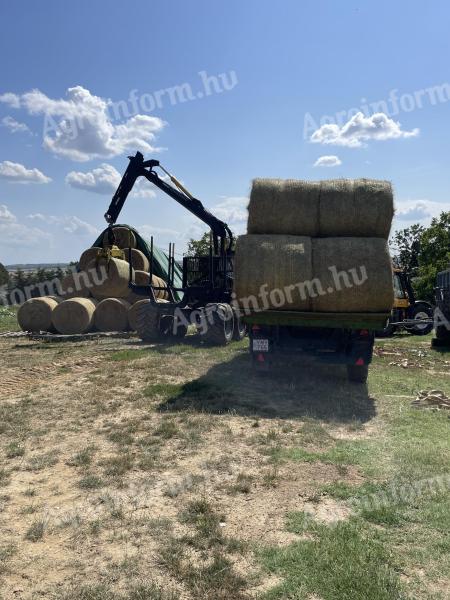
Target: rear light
point(256, 328)
point(261, 358)
point(364, 332)
point(359, 362)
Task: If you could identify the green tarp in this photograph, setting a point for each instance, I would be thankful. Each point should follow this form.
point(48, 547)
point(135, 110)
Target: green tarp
point(160, 258)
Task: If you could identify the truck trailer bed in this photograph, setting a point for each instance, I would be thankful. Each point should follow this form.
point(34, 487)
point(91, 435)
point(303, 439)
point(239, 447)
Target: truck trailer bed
point(370, 321)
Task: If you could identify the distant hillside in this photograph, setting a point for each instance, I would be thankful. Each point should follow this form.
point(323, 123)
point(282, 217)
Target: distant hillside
point(35, 267)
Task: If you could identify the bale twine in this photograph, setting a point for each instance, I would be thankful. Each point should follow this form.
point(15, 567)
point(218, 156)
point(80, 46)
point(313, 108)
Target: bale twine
point(340, 207)
point(268, 269)
point(109, 278)
point(111, 314)
point(124, 238)
point(74, 316)
point(355, 275)
point(36, 314)
point(76, 285)
point(138, 259)
point(88, 255)
point(133, 312)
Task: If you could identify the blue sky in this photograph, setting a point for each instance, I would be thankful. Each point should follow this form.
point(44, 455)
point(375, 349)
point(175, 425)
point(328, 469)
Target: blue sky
point(359, 89)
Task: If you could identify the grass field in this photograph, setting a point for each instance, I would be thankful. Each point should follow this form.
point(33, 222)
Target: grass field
point(134, 472)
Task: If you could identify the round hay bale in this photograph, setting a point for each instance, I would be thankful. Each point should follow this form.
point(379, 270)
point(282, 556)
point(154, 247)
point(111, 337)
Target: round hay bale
point(143, 278)
point(289, 207)
point(355, 275)
point(124, 238)
point(36, 314)
point(74, 316)
point(270, 271)
point(133, 311)
point(356, 208)
point(138, 259)
point(160, 294)
point(109, 278)
point(75, 285)
point(111, 314)
point(88, 256)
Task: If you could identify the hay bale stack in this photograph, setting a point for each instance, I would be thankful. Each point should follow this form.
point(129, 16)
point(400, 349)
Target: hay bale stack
point(76, 285)
point(279, 272)
point(355, 275)
point(340, 207)
point(269, 263)
point(74, 316)
point(124, 238)
point(138, 259)
point(110, 278)
point(111, 314)
point(133, 312)
point(36, 314)
point(88, 256)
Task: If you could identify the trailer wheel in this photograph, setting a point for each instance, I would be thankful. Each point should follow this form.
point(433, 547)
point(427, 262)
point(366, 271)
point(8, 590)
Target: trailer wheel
point(239, 328)
point(421, 311)
point(358, 373)
point(219, 320)
point(148, 322)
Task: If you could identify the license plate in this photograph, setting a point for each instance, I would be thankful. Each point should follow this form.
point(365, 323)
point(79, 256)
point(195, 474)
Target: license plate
point(261, 345)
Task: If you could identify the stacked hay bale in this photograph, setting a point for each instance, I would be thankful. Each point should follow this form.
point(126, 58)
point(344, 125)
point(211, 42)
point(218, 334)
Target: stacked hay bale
point(316, 246)
point(97, 296)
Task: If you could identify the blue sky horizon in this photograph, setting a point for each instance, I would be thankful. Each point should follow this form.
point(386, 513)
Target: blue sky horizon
point(220, 93)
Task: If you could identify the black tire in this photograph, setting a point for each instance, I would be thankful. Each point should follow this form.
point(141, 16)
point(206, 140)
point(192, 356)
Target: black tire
point(219, 320)
point(421, 311)
point(388, 331)
point(239, 327)
point(148, 322)
point(358, 373)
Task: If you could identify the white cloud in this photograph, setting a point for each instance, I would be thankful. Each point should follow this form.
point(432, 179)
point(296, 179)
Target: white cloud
point(328, 161)
point(69, 224)
point(408, 212)
point(6, 215)
point(17, 173)
point(79, 127)
point(10, 99)
point(414, 212)
point(360, 129)
point(104, 180)
point(14, 126)
point(14, 234)
point(232, 210)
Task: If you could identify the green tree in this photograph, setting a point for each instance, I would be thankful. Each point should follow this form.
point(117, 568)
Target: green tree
point(4, 275)
point(434, 255)
point(199, 247)
point(406, 247)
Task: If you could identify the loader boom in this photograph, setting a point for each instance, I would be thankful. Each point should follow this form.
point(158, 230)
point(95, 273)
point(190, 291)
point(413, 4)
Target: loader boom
point(140, 168)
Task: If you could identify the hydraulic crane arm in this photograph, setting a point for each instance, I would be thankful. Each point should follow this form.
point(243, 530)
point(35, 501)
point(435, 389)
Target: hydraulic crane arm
point(140, 168)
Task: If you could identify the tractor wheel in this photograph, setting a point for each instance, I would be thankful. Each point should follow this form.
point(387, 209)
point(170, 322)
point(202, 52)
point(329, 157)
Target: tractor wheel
point(358, 373)
point(148, 322)
point(421, 311)
point(219, 320)
point(240, 328)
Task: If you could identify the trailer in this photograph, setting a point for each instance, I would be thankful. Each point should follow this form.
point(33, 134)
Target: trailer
point(334, 338)
point(442, 314)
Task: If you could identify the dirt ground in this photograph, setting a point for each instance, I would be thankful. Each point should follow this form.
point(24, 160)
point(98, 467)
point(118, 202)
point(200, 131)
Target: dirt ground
point(109, 448)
